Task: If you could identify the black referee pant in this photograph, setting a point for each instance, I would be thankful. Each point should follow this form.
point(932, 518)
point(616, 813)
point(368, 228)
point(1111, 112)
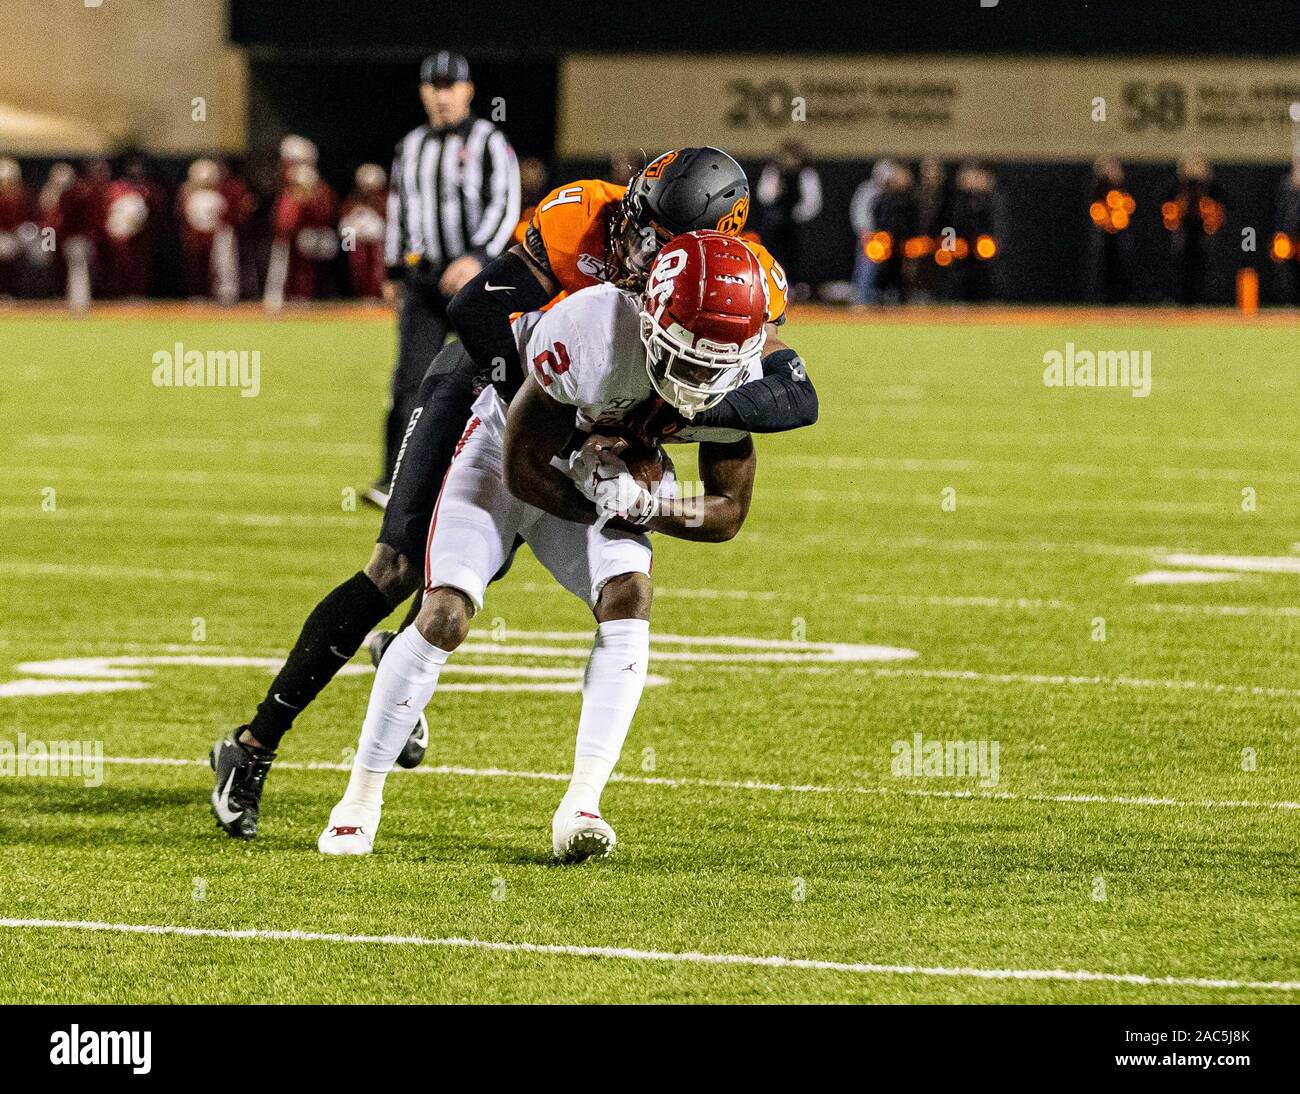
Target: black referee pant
point(422, 327)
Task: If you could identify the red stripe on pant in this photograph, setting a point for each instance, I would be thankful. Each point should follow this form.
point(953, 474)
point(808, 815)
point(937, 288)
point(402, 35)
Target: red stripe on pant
point(474, 423)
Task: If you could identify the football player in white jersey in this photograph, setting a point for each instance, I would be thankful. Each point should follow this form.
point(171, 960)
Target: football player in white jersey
point(595, 361)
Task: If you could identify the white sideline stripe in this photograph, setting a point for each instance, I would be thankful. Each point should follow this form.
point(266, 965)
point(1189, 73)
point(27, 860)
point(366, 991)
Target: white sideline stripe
point(625, 953)
point(23, 689)
point(1081, 470)
point(1020, 603)
point(1247, 564)
point(737, 784)
point(1061, 679)
point(1183, 577)
point(215, 445)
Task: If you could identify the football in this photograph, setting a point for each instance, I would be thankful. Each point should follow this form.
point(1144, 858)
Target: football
point(646, 463)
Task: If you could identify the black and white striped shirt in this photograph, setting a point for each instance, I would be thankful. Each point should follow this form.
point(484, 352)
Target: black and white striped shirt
point(452, 192)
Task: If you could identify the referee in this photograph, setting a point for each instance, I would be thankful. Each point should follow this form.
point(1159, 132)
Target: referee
point(453, 203)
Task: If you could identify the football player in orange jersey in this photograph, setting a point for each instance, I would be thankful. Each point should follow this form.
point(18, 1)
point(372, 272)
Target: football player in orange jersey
point(583, 233)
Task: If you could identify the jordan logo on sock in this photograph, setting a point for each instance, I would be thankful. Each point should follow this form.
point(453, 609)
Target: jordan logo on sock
point(405, 703)
point(631, 667)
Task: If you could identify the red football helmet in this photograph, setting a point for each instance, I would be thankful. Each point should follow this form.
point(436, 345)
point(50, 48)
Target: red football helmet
point(702, 318)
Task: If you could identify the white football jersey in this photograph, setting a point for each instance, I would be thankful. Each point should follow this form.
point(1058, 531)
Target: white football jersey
point(587, 351)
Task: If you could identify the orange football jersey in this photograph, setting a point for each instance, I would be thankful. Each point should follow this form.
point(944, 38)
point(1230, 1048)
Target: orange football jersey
point(776, 282)
point(571, 225)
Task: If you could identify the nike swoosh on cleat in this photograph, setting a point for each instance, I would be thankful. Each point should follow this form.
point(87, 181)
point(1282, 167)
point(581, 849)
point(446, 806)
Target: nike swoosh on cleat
point(222, 804)
point(497, 288)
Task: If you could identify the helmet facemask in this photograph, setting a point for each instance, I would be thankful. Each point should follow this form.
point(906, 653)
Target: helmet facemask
point(638, 240)
point(694, 377)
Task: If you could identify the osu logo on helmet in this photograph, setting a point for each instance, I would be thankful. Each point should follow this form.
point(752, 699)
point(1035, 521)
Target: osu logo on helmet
point(734, 222)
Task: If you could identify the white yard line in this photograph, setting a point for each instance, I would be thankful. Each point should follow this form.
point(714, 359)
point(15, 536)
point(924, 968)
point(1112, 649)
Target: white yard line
point(1183, 577)
point(1245, 476)
point(625, 953)
point(1069, 680)
point(1244, 564)
point(687, 782)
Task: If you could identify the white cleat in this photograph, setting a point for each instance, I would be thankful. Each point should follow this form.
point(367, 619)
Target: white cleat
point(351, 830)
point(577, 835)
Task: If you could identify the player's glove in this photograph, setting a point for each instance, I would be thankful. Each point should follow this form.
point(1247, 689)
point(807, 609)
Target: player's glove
point(622, 496)
point(589, 467)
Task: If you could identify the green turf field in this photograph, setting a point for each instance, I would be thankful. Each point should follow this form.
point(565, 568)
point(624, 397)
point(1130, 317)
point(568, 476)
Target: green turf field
point(1143, 821)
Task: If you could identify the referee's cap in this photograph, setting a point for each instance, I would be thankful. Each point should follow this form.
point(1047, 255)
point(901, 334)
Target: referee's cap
point(444, 67)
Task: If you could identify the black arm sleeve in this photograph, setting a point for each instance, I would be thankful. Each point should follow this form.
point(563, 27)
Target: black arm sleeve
point(782, 399)
point(482, 317)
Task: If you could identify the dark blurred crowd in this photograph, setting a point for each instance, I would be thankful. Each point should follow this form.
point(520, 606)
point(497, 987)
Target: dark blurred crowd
point(119, 231)
point(924, 237)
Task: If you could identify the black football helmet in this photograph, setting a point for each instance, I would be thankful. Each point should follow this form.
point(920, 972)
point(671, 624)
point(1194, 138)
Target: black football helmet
point(684, 190)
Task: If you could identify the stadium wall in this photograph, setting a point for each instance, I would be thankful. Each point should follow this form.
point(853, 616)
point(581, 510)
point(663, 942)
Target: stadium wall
point(89, 77)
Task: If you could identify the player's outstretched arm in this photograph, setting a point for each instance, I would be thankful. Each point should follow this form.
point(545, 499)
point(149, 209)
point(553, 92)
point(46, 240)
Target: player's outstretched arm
point(727, 474)
point(481, 311)
point(537, 428)
point(783, 398)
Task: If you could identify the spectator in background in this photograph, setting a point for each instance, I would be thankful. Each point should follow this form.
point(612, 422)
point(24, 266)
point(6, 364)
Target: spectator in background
point(1192, 213)
point(210, 213)
point(896, 227)
point(1112, 256)
point(241, 209)
point(82, 215)
point(789, 197)
point(17, 209)
point(49, 221)
point(361, 227)
point(532, 188)
point(932, 216)
point(134, 208)
point(295, 150)
point(1285, 250)
point(862, 218)
point(976, 221)
point(306, 237)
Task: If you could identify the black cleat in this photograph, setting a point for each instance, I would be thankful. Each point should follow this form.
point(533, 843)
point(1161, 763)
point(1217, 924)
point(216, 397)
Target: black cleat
point(412, 754)
point(237, 791)
point(377, 642)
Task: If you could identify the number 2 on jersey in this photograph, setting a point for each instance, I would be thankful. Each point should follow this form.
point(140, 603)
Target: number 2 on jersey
point(555, 359)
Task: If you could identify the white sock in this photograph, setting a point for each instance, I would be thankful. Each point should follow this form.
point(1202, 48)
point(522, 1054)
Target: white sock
point(611, 690)
point(404, 684)
point(365, 787)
